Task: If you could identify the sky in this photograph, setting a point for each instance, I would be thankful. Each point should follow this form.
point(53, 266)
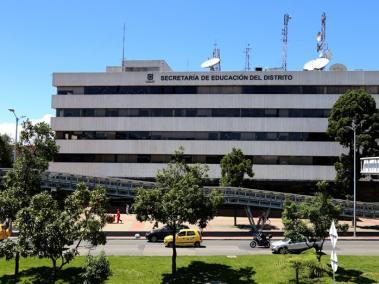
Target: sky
point(40, 37)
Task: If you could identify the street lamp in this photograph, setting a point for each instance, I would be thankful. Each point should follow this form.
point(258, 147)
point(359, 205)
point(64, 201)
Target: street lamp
point(15, 140)
point(353, 127)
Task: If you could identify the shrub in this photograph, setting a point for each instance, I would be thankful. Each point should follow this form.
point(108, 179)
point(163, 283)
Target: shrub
point(97, 269)
point(109, 218)
point(342, 229)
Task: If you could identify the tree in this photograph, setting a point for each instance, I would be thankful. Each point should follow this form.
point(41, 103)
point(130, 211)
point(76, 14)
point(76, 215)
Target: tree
point(294, 227)
point(359, 107)
point(34, 151)
point(234, 166)
point(48, 231)
point(178, 198)
point(319, 210)
point(6, 150)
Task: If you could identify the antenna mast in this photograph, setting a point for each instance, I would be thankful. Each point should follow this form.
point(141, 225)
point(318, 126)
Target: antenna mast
point(321, 36)
point(247, 57)
point(216, 54)
point(123, 48)
point(285, 41)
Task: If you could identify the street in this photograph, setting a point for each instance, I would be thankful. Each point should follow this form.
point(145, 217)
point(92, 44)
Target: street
point(220, 247)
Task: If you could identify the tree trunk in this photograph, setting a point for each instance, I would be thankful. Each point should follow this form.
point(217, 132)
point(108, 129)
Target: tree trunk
point(319, 251)
point(16, 263)
point(53, 275)
point(297, 276)
point(173, 264)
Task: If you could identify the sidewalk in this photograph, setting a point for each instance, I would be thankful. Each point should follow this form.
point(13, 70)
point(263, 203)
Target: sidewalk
point(222, 227)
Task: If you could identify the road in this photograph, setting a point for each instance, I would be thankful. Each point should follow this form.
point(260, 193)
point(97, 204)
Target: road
point(220, 247)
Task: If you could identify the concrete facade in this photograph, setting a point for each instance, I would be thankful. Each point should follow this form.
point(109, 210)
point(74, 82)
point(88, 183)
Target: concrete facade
point(212, 93)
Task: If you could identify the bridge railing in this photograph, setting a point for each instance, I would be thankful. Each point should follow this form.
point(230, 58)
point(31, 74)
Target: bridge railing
point(127, 188)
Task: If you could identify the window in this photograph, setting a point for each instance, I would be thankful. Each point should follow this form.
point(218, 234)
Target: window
point(191, 233)
point(182, 234)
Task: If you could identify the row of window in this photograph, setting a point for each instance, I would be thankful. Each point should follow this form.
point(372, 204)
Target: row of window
point(189, 135)
point(209, 159)
point(100, 90)
point(192, 112)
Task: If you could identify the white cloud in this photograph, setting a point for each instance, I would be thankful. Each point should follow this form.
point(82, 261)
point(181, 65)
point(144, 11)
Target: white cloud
point(10, 128)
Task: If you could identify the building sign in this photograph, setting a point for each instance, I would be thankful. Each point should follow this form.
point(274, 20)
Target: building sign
point(226, 77)
point(370, 166)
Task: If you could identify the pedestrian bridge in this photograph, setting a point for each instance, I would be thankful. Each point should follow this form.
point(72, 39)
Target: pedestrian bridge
point(118, 188)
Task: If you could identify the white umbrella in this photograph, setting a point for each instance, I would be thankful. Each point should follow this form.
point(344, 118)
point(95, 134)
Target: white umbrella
point(334, 260)
point(333, 235)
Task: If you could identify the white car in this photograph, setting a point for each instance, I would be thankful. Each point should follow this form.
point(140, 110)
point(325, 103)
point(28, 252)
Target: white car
point(286, 246)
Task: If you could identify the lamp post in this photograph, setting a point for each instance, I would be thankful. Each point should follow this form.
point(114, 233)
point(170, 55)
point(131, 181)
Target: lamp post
point(15, 140)
point(354, 128)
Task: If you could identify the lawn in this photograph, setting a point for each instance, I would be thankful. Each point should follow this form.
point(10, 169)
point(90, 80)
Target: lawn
point(196, 269)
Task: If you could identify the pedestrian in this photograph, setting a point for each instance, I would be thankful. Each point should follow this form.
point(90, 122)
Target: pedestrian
point(118, 216)
point(127, 208)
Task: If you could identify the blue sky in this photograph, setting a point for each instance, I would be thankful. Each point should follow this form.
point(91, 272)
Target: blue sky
point(41, 37)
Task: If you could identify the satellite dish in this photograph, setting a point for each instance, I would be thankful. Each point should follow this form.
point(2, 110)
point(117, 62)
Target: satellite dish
point(338, 67)
point(318, 36)
point(210, 63)
point(316, 64)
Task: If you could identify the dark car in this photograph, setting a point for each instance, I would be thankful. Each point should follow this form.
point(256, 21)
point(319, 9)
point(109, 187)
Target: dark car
point(160, 233)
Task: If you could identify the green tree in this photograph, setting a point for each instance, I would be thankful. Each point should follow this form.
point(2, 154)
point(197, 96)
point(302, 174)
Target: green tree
point(234, 166)
point(178, 198)
point(34, 151)
point(6, 150)
point(294, 226)
point(48, 231)
point(358, 107)
point(318, 210)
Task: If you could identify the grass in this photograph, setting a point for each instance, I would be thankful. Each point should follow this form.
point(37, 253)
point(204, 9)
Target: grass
point(195, 269)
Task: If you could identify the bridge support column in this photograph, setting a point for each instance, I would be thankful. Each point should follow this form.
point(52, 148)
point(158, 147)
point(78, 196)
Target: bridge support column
point(235, 216)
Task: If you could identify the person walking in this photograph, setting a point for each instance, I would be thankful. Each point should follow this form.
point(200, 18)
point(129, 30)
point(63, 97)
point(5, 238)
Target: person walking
point(118, 216)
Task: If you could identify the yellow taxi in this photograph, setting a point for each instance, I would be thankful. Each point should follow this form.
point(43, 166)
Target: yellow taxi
point(4, 233)
point(185, 237)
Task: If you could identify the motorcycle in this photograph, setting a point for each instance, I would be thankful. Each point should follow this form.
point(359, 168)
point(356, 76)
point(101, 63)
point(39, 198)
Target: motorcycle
point(261, 240)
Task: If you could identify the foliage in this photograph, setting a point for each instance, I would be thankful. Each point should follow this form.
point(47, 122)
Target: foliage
point(7, 248)
point(34, 151)
point(319, 210)
point(178, 198)
point(6, 150)
point(234, 166)
point(48, 231)
point(294, 227)
point(305, 262)
point(97, 269)
point(342, 229)
point(359, 107)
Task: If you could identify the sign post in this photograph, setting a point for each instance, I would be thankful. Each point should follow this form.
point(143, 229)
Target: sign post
point(333, 257)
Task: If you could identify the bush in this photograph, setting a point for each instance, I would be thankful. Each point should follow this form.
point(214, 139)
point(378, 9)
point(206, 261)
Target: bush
point(342, 229)
point(97, 269)
point(109, 219)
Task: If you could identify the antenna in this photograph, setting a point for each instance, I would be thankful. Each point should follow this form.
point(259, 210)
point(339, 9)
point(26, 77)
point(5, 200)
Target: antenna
point(321, 36)
point(247, 57)
point(216, 54)
point(123, 48)
point(285, 41)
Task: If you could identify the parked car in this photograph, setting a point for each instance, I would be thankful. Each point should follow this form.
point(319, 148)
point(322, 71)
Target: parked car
point(4, 232)
point(288, 246)
point(186, 237)
point(160, 233)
